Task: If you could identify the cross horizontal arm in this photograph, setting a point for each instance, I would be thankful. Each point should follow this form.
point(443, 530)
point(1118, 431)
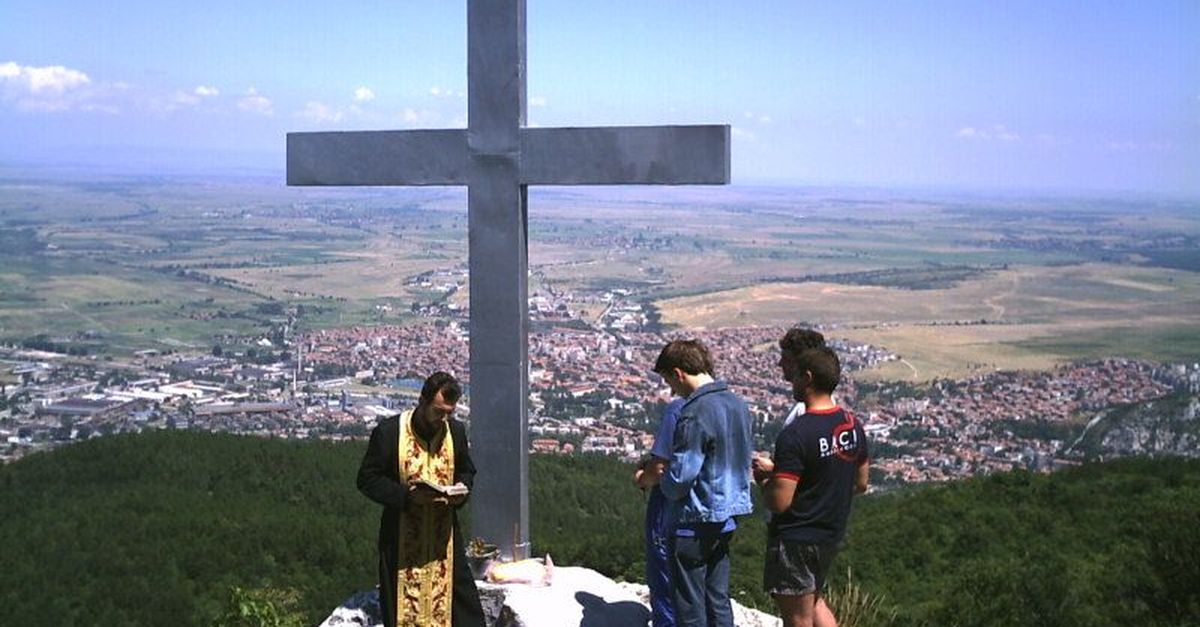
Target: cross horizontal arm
point(425, 157)
point(626, 155)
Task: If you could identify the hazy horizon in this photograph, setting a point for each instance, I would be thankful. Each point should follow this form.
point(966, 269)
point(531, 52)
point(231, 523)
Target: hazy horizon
point(218, 166)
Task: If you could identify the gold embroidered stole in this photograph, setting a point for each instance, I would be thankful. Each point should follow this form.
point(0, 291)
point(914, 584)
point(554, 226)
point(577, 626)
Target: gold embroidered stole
point(425, 577)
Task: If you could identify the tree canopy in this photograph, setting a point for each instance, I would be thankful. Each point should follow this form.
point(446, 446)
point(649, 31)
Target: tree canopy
point(161, 528)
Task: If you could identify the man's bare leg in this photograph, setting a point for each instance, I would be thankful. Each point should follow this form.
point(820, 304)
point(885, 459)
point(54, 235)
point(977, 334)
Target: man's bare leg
point(804, 610)
point(822, 615)
point(796, 610)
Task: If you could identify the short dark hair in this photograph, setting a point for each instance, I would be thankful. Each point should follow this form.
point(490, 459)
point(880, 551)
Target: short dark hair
point(690, 356)
point(824, 365)
point(443, 382)
point(797, 340)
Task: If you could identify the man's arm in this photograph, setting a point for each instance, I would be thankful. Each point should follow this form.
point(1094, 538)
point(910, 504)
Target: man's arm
point(762, 466)
point(864, 457)
point(375, 475)
point(787, 471)
point(650, 473)
point(687, 457)
point(464, 467)
point(779, 491)
point(863, 477)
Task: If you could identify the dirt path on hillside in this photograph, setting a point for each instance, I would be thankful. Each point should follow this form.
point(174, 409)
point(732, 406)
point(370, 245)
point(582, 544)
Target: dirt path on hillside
point(992, 301)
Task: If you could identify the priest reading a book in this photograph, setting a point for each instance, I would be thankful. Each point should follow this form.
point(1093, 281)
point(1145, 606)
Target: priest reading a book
point(418, 468)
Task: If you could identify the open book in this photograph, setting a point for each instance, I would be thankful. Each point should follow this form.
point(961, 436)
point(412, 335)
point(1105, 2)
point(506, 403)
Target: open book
point(448, 490)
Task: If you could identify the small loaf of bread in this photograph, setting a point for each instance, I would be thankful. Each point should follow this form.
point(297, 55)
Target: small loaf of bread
point(531, 571)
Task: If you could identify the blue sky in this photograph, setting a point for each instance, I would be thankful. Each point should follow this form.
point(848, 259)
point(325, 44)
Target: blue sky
point(1013, 95)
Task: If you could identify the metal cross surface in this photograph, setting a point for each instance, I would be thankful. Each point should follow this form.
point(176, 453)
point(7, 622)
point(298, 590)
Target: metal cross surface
point(497, 158)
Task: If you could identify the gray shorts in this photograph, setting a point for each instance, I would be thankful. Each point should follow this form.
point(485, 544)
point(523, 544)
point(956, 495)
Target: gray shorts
point(795, 568)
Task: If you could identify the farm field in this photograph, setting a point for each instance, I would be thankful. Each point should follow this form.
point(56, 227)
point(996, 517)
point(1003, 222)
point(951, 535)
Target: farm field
point(954, 283)
point(1019, 318)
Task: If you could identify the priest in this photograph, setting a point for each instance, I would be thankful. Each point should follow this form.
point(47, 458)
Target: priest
point(416, 466)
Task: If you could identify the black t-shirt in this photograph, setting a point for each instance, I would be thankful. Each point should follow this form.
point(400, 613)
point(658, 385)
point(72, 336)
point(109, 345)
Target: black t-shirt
point(822, 451)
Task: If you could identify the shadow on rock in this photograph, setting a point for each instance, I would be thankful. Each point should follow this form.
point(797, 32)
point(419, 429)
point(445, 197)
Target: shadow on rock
point(600, 613)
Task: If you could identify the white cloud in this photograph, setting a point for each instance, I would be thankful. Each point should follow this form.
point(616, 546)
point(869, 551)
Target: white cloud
point(157, 101)
point(1003, 134)
point(998, 132)
point(363, 94)
point(438, 91)
point(537, 101)
point(47, 88)
point(740, 133)
point(255, 102)
point(1046, 139)
point(1132, 146)
point(418, 117)
point(40, 80)
point(185, 99)
point(760, 118)
point(320, 113)
point(55, 88)
point(100, 108)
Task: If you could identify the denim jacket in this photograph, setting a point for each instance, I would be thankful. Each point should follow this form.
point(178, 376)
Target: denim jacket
point(708, 479)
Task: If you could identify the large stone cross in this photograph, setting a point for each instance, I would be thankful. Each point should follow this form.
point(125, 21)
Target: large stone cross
point(497, 158)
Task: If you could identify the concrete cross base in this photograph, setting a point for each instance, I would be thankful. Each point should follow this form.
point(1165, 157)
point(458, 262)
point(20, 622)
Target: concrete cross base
point(577, 597)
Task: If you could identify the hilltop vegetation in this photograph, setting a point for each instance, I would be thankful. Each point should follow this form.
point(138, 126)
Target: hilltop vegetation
point(1103, 544)
point(158, 529)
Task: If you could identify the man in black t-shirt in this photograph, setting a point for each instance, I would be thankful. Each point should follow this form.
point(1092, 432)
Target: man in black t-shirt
point(820, 462)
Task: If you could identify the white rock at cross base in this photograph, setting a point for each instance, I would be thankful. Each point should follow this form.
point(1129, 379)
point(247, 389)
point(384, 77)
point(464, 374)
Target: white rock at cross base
point(577, 597)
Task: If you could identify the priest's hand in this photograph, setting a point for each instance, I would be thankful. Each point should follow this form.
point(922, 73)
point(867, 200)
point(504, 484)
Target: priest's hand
point(426, 496)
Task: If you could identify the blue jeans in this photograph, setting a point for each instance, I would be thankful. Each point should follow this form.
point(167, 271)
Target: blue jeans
point(700, 579)
point(658, 565)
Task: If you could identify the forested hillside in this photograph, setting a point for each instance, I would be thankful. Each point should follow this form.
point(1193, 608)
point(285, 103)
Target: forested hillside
point(1104, 544)
point(157, 529)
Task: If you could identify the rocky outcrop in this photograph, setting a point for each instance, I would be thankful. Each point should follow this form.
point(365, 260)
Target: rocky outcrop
point(577, 597)
point(1163, 426)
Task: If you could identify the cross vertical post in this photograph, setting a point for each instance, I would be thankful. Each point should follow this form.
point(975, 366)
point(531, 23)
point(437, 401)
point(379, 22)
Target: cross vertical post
point(497, 216)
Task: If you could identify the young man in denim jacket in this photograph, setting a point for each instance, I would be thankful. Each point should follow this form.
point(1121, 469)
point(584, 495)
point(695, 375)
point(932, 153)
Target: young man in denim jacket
point(707, 483)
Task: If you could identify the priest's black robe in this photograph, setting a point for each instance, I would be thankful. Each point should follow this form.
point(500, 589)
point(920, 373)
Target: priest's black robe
point(379, 479)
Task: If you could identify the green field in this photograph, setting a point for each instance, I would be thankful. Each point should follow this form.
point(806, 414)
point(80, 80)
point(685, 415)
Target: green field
point(1172, 343)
